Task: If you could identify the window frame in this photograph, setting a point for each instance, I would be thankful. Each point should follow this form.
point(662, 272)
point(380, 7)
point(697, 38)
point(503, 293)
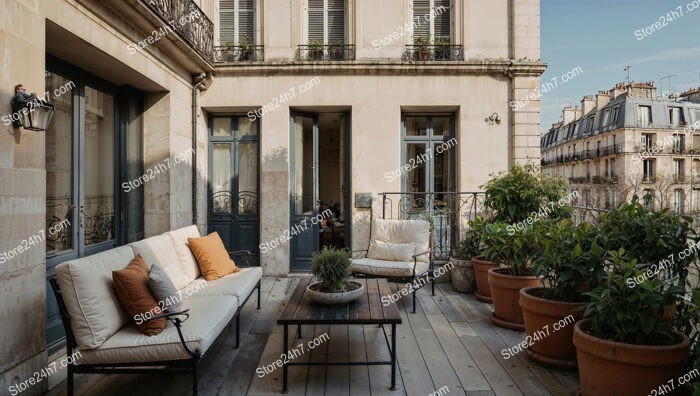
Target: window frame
point(252, 37)
point(429, 140)
point(431, 28)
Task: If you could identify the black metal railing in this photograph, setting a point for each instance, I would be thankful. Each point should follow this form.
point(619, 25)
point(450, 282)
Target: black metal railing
point(447, 212)
point(326, 53)
point(186, 18)
point(239, 53)
point(438, 52)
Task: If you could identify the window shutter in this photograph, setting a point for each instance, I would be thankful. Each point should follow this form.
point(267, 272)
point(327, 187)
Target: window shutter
point(246, 20)
point(442, 20)
point(336, 21)
point(315, 20)
point(421, 26)
point(226, 21)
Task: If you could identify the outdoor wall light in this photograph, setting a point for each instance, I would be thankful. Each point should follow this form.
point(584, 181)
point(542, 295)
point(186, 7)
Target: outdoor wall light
point(34, 114)
point(494, 118)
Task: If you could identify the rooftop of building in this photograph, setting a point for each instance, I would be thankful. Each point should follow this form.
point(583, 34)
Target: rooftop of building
point(621, 107)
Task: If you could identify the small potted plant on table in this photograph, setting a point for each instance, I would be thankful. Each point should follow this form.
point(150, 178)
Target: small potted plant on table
point(334, 285)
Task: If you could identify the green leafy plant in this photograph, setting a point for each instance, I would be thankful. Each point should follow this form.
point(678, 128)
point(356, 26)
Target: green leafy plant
point(513, 249)
point(568, 259)
point(470, 245)
point(627, 314)
point(331, 267)
point(523, 191)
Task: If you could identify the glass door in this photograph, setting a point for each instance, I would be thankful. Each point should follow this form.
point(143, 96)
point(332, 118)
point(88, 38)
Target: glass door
point(304, 230)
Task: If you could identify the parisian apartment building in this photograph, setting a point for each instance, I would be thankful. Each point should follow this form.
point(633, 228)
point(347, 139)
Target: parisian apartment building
point(629, 141)
point(249, 118)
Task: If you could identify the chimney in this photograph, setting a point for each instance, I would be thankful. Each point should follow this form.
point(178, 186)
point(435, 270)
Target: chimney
point(569, 115)
point(587, 104)
point(602, 99)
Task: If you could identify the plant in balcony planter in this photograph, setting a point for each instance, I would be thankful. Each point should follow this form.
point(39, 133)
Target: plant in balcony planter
point(230, 51)
point(246, 48)
point(334, 285)
point(471, 248)
point(625, 345)
point(443, 50)
point(569, 262)
point(422, 50)
point(315, 50)
point(336, 51)
point(512, 250)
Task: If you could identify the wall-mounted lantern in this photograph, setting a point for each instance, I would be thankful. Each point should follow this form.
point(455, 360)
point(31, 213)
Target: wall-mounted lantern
point(30, 112)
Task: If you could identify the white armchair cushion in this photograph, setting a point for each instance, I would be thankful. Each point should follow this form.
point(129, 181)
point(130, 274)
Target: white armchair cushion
point(188, 264)
point(86, 286)
point(388, 268)
point(391, 251)
point(416, 232)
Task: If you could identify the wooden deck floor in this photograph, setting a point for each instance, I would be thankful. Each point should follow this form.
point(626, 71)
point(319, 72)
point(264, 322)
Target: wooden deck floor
point(448, 342)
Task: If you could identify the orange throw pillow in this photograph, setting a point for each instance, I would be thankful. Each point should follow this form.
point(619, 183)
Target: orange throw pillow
point(212, 258)
point(131, 286)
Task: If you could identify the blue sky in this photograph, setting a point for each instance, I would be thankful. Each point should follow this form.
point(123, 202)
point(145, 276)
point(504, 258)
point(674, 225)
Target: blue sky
point(599, 36)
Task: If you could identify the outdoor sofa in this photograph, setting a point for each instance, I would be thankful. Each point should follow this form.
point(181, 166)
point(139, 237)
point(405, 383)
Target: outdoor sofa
point(109, 342)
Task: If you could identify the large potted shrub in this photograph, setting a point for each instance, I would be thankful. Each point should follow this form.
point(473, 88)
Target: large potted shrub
point(569, 262)
point(481, 266)
point(334, 284)
point(625, 345)
point(518, 200)
point(513, 252)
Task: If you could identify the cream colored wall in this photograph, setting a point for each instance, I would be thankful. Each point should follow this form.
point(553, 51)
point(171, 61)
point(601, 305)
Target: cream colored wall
point(376, 104)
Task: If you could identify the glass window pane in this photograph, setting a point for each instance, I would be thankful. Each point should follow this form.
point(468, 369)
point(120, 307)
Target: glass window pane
point(441, 126)
point(221, 127)
point(303, 166)
point(99, 172)
point(248, 178)
point(59, 170)
point(416, 126)
point(221, 178)
point(134, 157)
point(441, 167)
point(416, 174)
point(247, 127)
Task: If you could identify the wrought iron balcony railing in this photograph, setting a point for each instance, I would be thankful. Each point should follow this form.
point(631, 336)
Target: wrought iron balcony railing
point(433, 53)
point(186, 18)
point(326, 53)
point(239, 53)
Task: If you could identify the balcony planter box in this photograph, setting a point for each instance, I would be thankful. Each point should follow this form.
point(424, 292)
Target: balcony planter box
point(481, 269)
point(616, 368)
point(557, 349)
point(463, 280)
point(505, 292)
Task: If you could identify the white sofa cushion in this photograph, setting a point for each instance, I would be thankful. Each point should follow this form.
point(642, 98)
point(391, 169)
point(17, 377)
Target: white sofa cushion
point(208, 318)
point(401, 231)
point(239, 284)
point(160, 250)
point(388, 268)
point(86, 286)
point(391, 251)
point(188, 264)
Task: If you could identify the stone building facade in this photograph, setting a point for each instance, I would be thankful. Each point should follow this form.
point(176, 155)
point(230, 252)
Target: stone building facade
point(247, 117)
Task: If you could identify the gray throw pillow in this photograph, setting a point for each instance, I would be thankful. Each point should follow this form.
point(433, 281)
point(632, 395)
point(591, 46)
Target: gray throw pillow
point(163, 289)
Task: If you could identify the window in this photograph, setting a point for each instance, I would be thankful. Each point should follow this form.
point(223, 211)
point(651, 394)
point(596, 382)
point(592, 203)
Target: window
point(648, 198)
point(237, 22)
point(428, 143)
point(678, 143)
point(615, 113)
point(647, 141)
point(588, 170)
point(326, 22)
point(612, 167)
point(607, 167)
point(648, 170)
point(433, 19)
point(678, 168)
point(675, 116)
point(606, 117)
point(678, 201)
point(644, 116)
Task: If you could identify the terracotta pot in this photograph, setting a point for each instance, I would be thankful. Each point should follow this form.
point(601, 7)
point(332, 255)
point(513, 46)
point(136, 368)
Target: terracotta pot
point(505, 292)
point(615, 368)
point(541, 316)
point(481, 273)
point(462, 275)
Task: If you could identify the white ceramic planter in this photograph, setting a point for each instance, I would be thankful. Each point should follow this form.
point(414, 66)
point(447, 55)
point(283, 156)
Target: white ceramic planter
point(334, 298)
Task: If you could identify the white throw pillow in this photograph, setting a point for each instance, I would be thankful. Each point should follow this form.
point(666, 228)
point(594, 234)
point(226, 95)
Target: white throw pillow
point(391, 251)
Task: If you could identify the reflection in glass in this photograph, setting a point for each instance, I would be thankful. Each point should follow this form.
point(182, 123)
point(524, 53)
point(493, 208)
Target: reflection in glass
point(416, 160)
point(441, 126)
point(416, 126)
point(98, 213)
point(59, 169)
point(248, 178)
point(221, 178)
point(246, 127)
point(221, 127)
point(303, 172)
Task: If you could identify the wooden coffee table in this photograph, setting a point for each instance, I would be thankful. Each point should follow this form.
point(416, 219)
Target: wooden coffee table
point(365, 310)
